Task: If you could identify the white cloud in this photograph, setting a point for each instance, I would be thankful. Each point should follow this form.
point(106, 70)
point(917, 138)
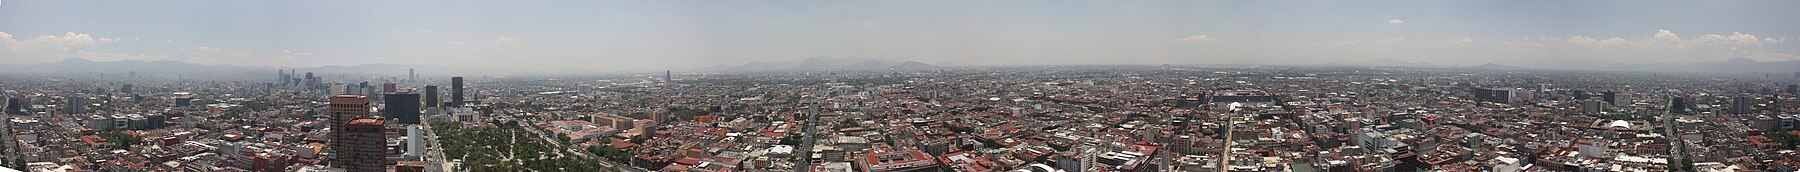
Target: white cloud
point(1662, 46)
point(1666, 36)
point(1464, 41)
point(1193, 38)
point(295, 53)
point(1346, 43)
point(506, 40)
point(206, 49)
point(1734, 39)
point(1395, 21)
point(425, 31)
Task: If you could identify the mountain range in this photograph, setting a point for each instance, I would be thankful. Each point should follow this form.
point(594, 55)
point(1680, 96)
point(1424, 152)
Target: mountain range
point(1737, 65)
point(826, 63)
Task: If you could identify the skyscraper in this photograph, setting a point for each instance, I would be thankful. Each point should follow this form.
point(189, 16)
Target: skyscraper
point(77, 105)
point(456, 91)
point(283, 75)
point(403, 106)
point(1609, 97)
point(344, 109)
point(1741, 104)
point(411, 77)
point(338, 89)
point(668, 76)
point(361, 147)
point(431, 96)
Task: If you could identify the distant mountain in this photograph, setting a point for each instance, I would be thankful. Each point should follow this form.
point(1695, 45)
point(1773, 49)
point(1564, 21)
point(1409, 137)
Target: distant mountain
point(1381, 62)
point(164, 68)
point(827, 63)
point(1495, 66)
point(1737, 65)
point(77, 65)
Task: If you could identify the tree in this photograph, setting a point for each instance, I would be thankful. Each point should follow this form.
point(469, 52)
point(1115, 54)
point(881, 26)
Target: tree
point(790, 140)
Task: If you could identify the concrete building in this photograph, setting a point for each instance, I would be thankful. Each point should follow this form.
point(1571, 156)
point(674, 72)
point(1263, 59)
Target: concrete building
point(343, 109)
point(362, 146)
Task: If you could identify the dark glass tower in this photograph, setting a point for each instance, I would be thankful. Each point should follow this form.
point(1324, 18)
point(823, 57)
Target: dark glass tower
point(431, 96)
point(403, 106)
point(456, 91)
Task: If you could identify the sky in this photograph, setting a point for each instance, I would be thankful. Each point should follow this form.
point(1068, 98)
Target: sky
point(653, 35)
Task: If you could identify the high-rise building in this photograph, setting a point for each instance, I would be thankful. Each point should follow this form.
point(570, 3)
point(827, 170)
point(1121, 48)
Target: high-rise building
point(389, 88)
point(343, 109)
point(1680, 104)
point(1741, 104)
point(361, 147)
point(339, 89)
point(312, 83)
point(1592, 106)
point(431, 96)
point(77, 105)
point(1580, 95)
point(1608, 96)
point(1621, 100)
point(456, 91)
point(411, 77)
point(415, 141)
point(127, 89)
point(668, 76)
point(13, 105)
point(403, 106)
point(182, 100)
point(1493, 95)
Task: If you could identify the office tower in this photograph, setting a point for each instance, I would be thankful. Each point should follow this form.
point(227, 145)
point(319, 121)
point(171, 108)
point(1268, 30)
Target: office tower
point(431, 96)
point(415, 141)
point(403, 106)
point(389, 88)
point(1793, 89)
point(1741, 104)
point(283, 75)
point(1493, 95)
point(184, 100)
point(1680, 104)
point(343, 109)
point(76, 105)
point(312, 83)
point(1580, 95)
point(361, 147)
point(363, 89)
point(1622, 100)
point(1592, 106)
point(456, 91)
point(410, 76)
point(127, 89)
point(1608, 96)
point(668, 76)
point(13, 105)
point(338, 89)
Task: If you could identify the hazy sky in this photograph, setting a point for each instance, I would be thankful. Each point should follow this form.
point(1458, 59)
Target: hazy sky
point(692, 34)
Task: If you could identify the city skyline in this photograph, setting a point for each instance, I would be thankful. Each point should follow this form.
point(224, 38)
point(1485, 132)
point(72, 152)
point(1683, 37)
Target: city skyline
point(655, 35)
